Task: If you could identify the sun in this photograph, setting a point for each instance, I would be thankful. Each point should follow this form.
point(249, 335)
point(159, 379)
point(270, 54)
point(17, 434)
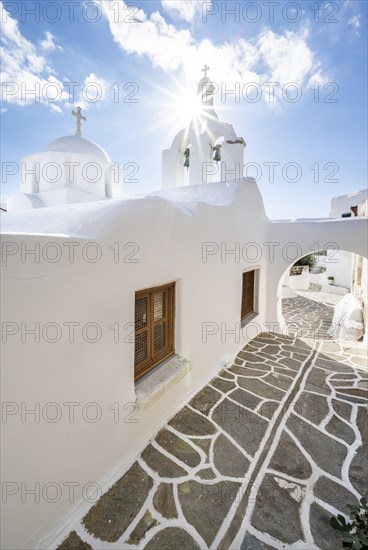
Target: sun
point(180, 106)
point(183, 104)
point(189, 105)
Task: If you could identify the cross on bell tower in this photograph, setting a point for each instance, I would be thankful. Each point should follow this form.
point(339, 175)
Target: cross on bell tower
point(206, 88)
point(79, 117)
point(205, 69)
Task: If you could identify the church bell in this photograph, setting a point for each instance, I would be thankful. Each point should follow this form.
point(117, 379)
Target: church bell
point(217, 156)
point(186, 155)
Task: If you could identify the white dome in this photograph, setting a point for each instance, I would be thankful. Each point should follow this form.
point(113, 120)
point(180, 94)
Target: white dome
point(77, 144)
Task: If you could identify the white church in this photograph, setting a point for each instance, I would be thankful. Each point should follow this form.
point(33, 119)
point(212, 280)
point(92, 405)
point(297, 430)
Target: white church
point(131, 305)
point(71, 169)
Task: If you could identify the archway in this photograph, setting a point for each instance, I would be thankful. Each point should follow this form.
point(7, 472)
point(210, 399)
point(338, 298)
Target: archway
point(323, 296)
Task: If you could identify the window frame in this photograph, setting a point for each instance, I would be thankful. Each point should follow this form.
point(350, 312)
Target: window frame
point(154, 359)
point(254, 282)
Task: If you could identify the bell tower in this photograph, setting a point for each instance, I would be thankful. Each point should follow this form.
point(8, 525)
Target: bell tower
point(207, 150)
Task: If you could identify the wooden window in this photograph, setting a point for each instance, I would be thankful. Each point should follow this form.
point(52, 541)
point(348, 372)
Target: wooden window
point(247, 304)
point(154, 327)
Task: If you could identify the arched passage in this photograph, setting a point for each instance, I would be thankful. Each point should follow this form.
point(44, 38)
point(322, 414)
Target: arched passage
point(289, 241)
point(307, 294)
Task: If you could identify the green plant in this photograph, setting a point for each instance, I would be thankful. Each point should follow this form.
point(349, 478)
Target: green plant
point(309, 260)
point(355, 534)
point(330, 278)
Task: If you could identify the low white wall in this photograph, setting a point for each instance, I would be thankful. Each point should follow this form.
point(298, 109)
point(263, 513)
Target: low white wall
point(333, 289)
point(298, 282)
point(338, 264)
point(318, 278)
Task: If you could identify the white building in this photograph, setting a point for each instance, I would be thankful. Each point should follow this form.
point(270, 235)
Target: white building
point(342, 205)
point(360, 276)
point(170, 285)
point(71, 169)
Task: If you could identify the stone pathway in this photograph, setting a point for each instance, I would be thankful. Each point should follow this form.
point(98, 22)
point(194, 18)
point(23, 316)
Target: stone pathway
point(309, 314)
point(260, 458)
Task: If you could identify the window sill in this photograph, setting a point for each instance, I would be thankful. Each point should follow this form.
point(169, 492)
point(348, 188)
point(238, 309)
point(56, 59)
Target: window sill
point(248, 318)
point(157, 382)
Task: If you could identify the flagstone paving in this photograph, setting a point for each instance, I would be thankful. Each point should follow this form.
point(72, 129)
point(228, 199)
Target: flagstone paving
point(260, 458)
point(309, 314)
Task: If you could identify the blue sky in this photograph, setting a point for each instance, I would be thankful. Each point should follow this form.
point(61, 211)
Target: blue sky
point(159, 47)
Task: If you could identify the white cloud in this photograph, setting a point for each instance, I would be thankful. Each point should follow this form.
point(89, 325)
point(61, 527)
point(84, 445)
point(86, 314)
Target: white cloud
point(318, 78)
point(188, 10)
point(93, 91)
point(55, 108)
point(288, 57)
point(348, 14)
point(26, 76)
point(164, 45)
point(270, 57)
point(354, 23)
point(48, 44)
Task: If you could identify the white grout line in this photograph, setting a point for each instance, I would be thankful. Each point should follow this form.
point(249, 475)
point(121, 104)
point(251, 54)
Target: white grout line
point(236, 543)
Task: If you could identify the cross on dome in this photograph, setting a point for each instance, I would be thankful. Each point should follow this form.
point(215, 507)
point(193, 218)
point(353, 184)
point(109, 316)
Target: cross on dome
point(79, 117)
point(205, 69)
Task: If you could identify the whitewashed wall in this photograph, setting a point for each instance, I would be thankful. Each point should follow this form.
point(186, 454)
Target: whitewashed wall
point(360, 277)
point(338, 264)
point(168, 247)
point(298, 282)
point(166, 236)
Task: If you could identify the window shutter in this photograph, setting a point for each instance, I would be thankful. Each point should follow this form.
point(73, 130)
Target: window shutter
point(247, 305)
point(154, 327)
